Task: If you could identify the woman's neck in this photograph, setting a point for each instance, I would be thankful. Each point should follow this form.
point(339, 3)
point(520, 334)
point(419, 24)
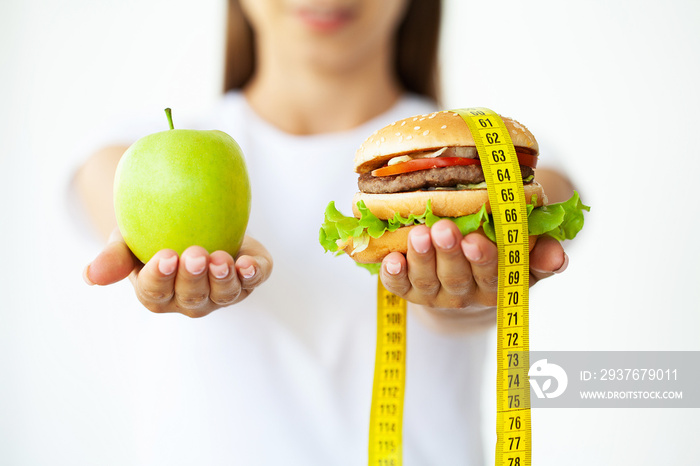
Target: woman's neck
point(302, 97)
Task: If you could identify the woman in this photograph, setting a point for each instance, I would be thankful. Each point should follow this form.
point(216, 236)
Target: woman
point(310, 81)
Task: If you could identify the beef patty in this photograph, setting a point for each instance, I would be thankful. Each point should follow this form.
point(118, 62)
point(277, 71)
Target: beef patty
point(444, 177)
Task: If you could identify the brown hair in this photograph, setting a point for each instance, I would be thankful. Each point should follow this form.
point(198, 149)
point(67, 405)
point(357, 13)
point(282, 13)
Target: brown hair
point(416, 48)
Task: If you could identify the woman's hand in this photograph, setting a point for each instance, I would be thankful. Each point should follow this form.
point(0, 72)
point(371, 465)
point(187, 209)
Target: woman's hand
point(194, 284)
point(455, 278)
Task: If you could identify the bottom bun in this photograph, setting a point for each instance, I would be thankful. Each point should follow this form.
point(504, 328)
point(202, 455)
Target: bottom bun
point(379, 248)
point(443, 203)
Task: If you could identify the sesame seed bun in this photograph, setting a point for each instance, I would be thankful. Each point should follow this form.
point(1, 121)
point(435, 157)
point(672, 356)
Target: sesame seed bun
point(428, 132)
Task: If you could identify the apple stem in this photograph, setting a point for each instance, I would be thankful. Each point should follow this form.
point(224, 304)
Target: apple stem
point(169, 114)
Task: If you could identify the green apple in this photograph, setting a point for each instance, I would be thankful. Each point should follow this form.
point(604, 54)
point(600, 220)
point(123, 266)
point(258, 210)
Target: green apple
point(179, 188)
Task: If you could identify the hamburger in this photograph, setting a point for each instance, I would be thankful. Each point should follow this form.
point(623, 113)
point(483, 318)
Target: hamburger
point(424, 168)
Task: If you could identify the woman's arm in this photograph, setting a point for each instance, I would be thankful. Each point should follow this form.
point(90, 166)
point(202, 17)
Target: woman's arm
point(94, 183)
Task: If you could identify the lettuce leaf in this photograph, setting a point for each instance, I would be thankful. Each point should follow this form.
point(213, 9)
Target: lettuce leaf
point(561, 221)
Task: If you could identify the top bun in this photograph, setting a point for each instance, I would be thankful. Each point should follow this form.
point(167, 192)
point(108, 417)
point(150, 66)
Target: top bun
point(428, 132)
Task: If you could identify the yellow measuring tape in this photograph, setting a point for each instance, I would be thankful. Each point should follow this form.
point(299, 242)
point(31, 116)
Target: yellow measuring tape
point(507, 200)
point(499, 162)
point(386, 416)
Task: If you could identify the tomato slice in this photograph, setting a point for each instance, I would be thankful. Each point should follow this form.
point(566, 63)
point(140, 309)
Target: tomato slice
point(423, 164)
point(529, 160)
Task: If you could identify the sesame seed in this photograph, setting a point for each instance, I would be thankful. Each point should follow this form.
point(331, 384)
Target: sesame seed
point(417, 128)
point(409, 137)
point(382, 139)
point(425, 133)
point(443, 127)
point(403, 123)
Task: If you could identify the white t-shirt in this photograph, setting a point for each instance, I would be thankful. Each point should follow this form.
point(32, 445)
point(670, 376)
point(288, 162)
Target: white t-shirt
point(285, 377)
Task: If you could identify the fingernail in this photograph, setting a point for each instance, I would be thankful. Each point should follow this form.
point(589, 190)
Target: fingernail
point(248, 272)
point(471, 251)
point(168, 266)
point(443, 238)
point(85, 276)
point(195, 265)
point(219, 270)
point(564, 265)
point(420, 242)
point(393, 267)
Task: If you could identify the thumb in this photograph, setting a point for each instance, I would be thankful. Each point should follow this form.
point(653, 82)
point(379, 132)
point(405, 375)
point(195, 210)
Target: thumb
point(114, 263)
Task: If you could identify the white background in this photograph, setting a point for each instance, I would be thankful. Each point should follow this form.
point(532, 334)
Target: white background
point(608, 87)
